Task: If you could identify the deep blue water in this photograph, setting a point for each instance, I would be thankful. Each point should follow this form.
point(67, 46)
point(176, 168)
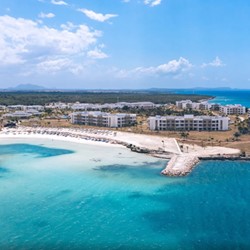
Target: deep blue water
point(69, 201)
point(224, 96)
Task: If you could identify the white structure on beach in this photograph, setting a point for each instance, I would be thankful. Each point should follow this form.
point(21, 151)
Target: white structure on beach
point(189, 122)
point(236, 109)
point(102, 119)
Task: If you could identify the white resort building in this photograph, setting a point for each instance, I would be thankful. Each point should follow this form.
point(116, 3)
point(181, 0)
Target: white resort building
point(189, 123)
point(102, 119)
point(18, 115)
point(188, 104)
point(236, 109)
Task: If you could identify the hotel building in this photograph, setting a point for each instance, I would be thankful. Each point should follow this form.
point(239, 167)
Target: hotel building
point(102, 119)
point(189, 123)
point(236, 109)
point(187, 104)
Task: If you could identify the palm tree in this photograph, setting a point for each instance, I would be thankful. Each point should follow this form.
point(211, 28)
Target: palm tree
point(184, 135)
point(236, 135)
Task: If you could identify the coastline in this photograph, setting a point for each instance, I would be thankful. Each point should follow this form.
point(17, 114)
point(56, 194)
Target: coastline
point(181, 161)
point(136, 142)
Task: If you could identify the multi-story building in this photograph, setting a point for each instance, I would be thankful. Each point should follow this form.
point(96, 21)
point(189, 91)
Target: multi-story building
point(236, 109)
point(18, 115)
point(184, 104)
point(103, 119)
point(58, 105)
point(3, 108)
point(189, 123)
point(34, 107)
point(16, 107)
point(187, 104)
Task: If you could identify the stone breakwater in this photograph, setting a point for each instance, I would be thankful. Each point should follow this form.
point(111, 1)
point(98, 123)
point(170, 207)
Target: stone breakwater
point(180, 165)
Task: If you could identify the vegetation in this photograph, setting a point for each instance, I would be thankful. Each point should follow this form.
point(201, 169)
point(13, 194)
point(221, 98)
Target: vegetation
point(41, 98)
point(157, 111)
point(243, 127)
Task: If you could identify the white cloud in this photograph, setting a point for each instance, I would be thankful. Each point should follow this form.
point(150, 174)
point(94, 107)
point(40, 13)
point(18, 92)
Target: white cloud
point(24, 41)
point(171, 68)
point(215, 63)
point(152, 3)
point(54, 65)
point(97, 16)
point(58, 2)
point(68, 26)
point(97, 54)
point(46, 15)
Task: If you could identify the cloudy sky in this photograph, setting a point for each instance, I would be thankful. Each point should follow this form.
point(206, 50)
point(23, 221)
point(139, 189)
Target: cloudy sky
point(125, 43)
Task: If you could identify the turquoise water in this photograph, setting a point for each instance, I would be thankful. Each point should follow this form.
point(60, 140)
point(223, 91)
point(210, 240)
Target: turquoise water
point(224, 97)
point(57, 195)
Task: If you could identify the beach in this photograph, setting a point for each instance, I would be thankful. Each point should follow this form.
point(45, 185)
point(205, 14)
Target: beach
point(183, 158)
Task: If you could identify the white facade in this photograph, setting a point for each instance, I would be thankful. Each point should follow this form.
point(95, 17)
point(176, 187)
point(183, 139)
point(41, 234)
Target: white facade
point(92, 106)
point(184, 104)
point(236, 109)
point(189, 123)
point(34, 107)
point(58, 105)
point(18, 114)
point(103, 119)
point(3, 108)
point(187, 104)
point(16, 107)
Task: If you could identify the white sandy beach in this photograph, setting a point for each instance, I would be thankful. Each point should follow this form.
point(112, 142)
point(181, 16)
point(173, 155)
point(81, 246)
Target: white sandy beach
point(181, 163)
point(93, 136)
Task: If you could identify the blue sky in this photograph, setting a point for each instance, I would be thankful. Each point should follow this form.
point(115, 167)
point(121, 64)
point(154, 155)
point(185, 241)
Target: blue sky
point(125, 43)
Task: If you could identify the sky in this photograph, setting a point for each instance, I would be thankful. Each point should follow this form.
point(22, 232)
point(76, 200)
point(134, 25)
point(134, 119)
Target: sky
point(125, 44)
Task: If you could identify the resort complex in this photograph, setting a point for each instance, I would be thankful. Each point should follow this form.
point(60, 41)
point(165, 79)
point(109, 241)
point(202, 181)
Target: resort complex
point(185, 115)
point(102, 119)
point(189, 123)
point(235, 109)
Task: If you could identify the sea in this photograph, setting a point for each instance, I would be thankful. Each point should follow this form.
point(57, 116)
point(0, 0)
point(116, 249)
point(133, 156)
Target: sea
point(63, 195)
point(224, 97)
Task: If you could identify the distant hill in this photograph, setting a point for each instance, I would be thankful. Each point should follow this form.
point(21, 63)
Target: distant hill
point(27, 87)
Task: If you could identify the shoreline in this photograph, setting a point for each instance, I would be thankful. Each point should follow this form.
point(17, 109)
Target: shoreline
point(180, 164)
point(136, 142)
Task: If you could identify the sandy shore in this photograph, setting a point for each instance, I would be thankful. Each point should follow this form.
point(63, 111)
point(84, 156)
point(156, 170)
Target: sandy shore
point(183, 160)
point(152, 143)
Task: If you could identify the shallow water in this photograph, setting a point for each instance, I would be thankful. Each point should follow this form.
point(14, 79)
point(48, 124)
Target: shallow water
point(59, 195)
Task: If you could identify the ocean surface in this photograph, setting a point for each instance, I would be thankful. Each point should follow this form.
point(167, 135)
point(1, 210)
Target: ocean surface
point(224, 96)
point(57, 195)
